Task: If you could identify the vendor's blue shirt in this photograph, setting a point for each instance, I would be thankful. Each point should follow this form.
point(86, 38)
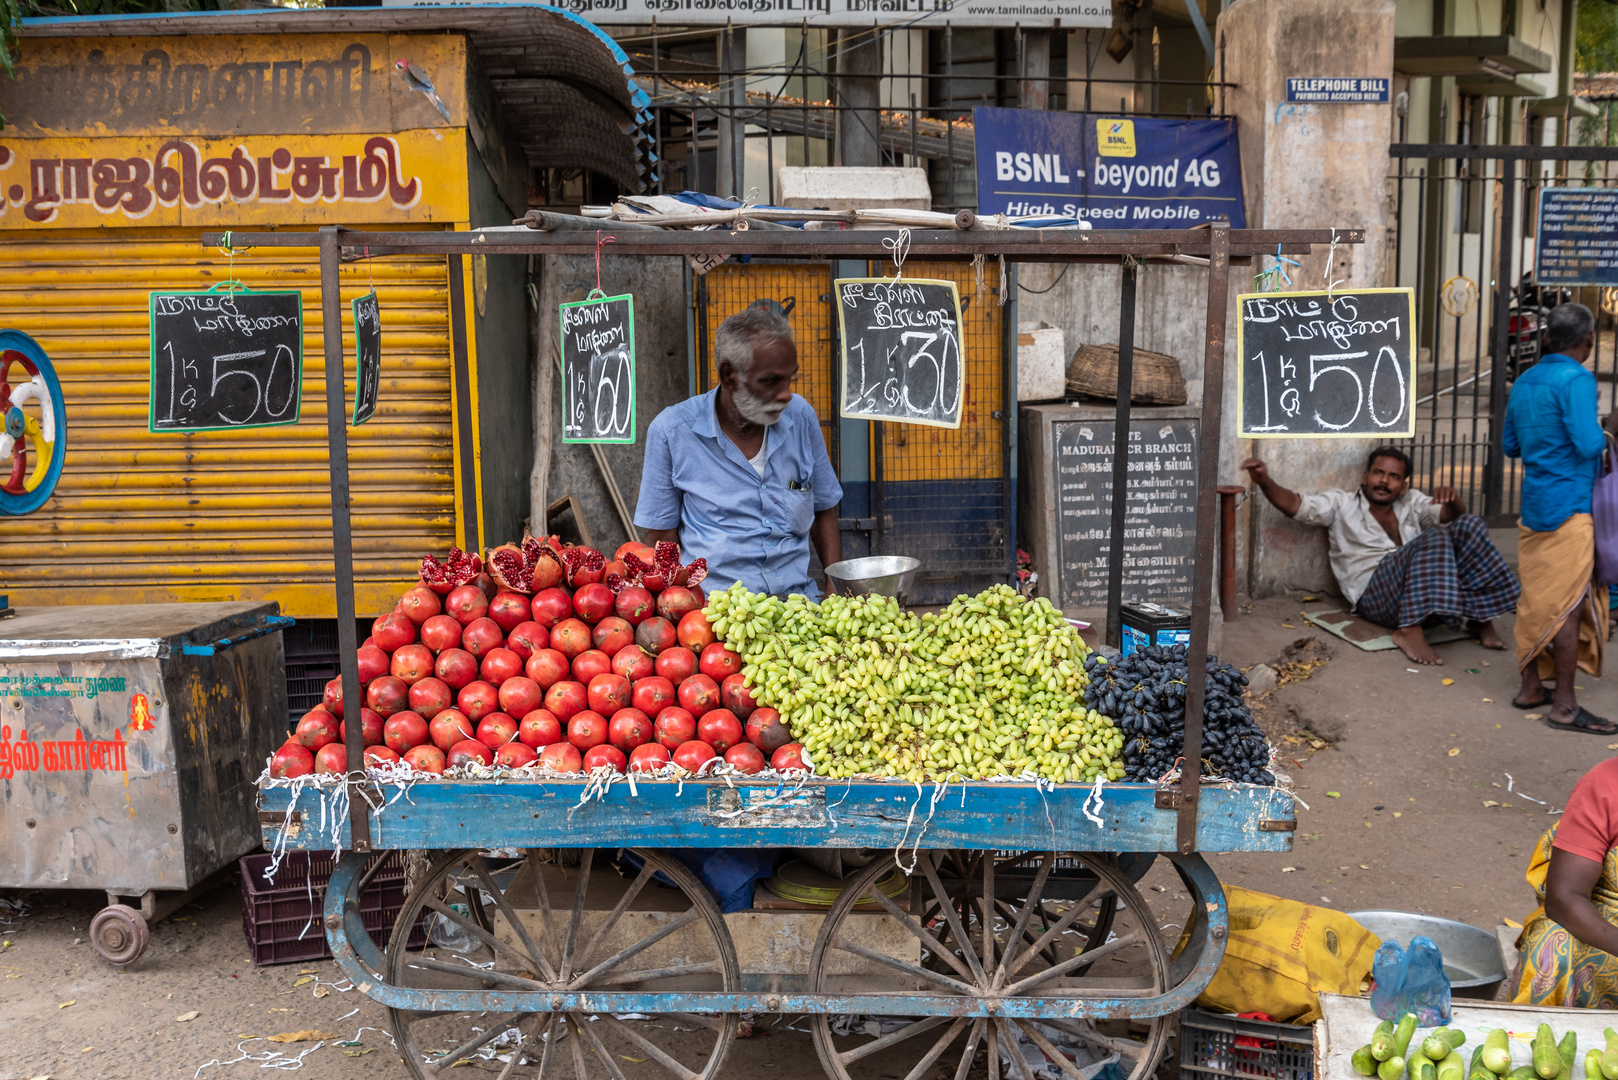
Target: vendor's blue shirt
point(751, 530)
point(1551, 423)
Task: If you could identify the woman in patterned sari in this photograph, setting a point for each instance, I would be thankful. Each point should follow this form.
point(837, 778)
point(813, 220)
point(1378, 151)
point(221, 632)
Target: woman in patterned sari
point(1570, 943)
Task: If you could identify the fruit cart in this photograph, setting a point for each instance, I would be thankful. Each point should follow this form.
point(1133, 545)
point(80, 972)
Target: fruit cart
point(572, 938)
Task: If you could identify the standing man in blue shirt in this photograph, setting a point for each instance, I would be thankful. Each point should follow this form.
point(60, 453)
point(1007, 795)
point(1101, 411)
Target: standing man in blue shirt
point(739, 476)
point(1552, 424)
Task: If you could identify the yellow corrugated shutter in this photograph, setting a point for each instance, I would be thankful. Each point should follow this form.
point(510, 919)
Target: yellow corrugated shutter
point(139, 517)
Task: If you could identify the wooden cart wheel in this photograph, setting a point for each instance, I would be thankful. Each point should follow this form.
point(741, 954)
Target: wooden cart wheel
point(118, 933)
point(1047, 925)
point(625, 920)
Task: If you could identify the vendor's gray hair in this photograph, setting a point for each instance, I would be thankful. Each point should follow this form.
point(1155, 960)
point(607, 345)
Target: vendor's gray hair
point(1566, 326)
point(740, 335)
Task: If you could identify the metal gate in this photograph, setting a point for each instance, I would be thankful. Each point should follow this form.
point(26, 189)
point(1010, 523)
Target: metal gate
point(1463, 237)
point(944, 497)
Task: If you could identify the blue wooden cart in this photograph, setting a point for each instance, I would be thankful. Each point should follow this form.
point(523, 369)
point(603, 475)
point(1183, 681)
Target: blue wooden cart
point(567, 914)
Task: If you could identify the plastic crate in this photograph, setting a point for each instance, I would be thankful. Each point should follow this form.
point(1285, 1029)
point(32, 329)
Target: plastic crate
point(282, 920)
point(1219, 1045)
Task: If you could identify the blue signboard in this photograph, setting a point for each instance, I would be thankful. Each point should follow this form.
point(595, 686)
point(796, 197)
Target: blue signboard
point(1348, 90)
point(1577, 236)
point(1116, 172)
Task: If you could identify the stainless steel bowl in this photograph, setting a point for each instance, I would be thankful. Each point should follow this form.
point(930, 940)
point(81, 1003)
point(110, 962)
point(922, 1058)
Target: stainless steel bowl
point(1471, 956)
point(884, 575)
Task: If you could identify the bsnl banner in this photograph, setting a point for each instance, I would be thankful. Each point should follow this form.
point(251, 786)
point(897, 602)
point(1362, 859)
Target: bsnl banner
point(1114, 172)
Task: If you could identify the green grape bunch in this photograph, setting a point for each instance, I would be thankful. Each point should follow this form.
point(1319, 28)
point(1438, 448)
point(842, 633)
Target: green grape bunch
point(992, 685)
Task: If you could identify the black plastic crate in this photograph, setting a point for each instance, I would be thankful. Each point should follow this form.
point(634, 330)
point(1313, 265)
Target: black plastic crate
point(282, 920)
point(1219, 1045)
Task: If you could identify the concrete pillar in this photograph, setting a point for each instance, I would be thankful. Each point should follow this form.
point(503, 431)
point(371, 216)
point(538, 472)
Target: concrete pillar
point(1034, 90)
point(730, 166)
point(1306, 166)
point(859, 88)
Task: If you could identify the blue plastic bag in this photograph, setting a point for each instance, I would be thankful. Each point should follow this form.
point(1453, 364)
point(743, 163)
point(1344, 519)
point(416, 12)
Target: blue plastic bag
point(1410, 981)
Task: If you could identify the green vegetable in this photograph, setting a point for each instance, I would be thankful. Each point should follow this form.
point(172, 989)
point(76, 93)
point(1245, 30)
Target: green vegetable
point(1424, 1069)
point(1438, 1045)
point(1402, 1032)
point(1382, 1041)
point(1566, 1050)
point(1523, 1072)
point(1497, 1053)
point(1477, 1070)
point(1364, 1063)
point(1592, 1063)
point(1391, 1069)
point(1609, 1060)
point(1452, 1067)
point(1547, 1062)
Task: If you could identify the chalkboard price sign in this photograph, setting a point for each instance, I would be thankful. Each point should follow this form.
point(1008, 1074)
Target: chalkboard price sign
point(225, 360)
point(901, 350)
point(368, 356)
point(598, 370)
point(1318, 365)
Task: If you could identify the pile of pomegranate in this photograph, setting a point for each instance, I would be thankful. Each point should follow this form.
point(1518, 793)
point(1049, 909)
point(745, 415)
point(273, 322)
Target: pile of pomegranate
point(552, 657)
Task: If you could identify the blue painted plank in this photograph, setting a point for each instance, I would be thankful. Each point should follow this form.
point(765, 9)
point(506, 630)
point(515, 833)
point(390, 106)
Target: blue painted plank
point(448, 814)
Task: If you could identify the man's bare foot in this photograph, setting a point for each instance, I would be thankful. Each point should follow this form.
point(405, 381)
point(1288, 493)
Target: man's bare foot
point(1487, 636)
point(1413, 643)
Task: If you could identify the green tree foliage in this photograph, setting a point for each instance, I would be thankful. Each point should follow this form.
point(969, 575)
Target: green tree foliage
point(1597, 40)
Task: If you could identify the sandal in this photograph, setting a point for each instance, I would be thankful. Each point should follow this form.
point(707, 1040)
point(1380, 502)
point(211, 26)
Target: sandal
point(1584, 720)
point(1540, 704)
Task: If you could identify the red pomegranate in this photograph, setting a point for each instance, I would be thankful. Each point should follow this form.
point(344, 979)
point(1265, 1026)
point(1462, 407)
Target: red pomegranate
point(677, 665)
point(457, 569)
point(469, 752)
point(331, 760)
point(628, 729)
point(467, 603)
point(789, 758)
point(718, 662)
point(656, 634)
point(612, 634)
point(441, 632)
point(735, 696)
point(540, 728)
point(393, 631)
point(514, 755)
point(370, 728)
point(585, 566)
point(528, 638)
point(566, 699)
point(590, 663)
point(633, 663)
point(520, 696)
point(404, 731)
point(509, 610)
point(648, 758)
point(767, 731)
point(746, 758)
point(332, 697)
point(485, 584)
point(291, 760)
point(379, 755)
point(481, 635)
point(586, 729)
point(693, 756)
point(652, 694)
point(607, 693)
point(429, 697)
point(694, 631)
point(593, 602)
point(317, 728)
point(562, 757)
point(547, 667)
point(634, 605)
point(675, 602)
point(448, 728)
point(477, 700)
point(373, 663)
point(570, 637)
point(547, 573)
point(614, 569)
point(551, 606)
point(720, 729)
point(699, 694)
point(635, 548)
point(456, 667)
point(412, 663)
point(500, 665)
point(496, 729)
point(388, 695)
point(674, 727)
point(605, 754)
point(420, 604)
point(427, 759)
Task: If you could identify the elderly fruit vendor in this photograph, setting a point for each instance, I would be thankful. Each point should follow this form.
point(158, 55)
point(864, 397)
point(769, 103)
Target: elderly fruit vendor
point(1570, 944)
point(739, 476)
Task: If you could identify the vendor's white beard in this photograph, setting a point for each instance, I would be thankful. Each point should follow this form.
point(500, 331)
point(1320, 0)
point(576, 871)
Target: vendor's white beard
point(755, 410)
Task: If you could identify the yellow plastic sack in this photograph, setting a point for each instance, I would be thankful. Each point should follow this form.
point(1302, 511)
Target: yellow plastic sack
point(1281, 954)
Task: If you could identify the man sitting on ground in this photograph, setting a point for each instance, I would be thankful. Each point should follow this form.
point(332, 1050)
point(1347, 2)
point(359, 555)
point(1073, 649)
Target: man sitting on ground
point(1391, 560)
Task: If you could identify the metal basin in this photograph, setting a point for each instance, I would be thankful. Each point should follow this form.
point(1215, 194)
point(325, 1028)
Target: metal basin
point(1471, 956)
point(884, 575)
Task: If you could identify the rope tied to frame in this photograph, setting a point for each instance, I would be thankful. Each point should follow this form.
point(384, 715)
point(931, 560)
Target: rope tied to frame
point(600, 242)
point(898, 246)
point(1331, 257)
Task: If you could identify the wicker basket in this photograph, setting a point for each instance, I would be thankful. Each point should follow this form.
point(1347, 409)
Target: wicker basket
point(1157, 379)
